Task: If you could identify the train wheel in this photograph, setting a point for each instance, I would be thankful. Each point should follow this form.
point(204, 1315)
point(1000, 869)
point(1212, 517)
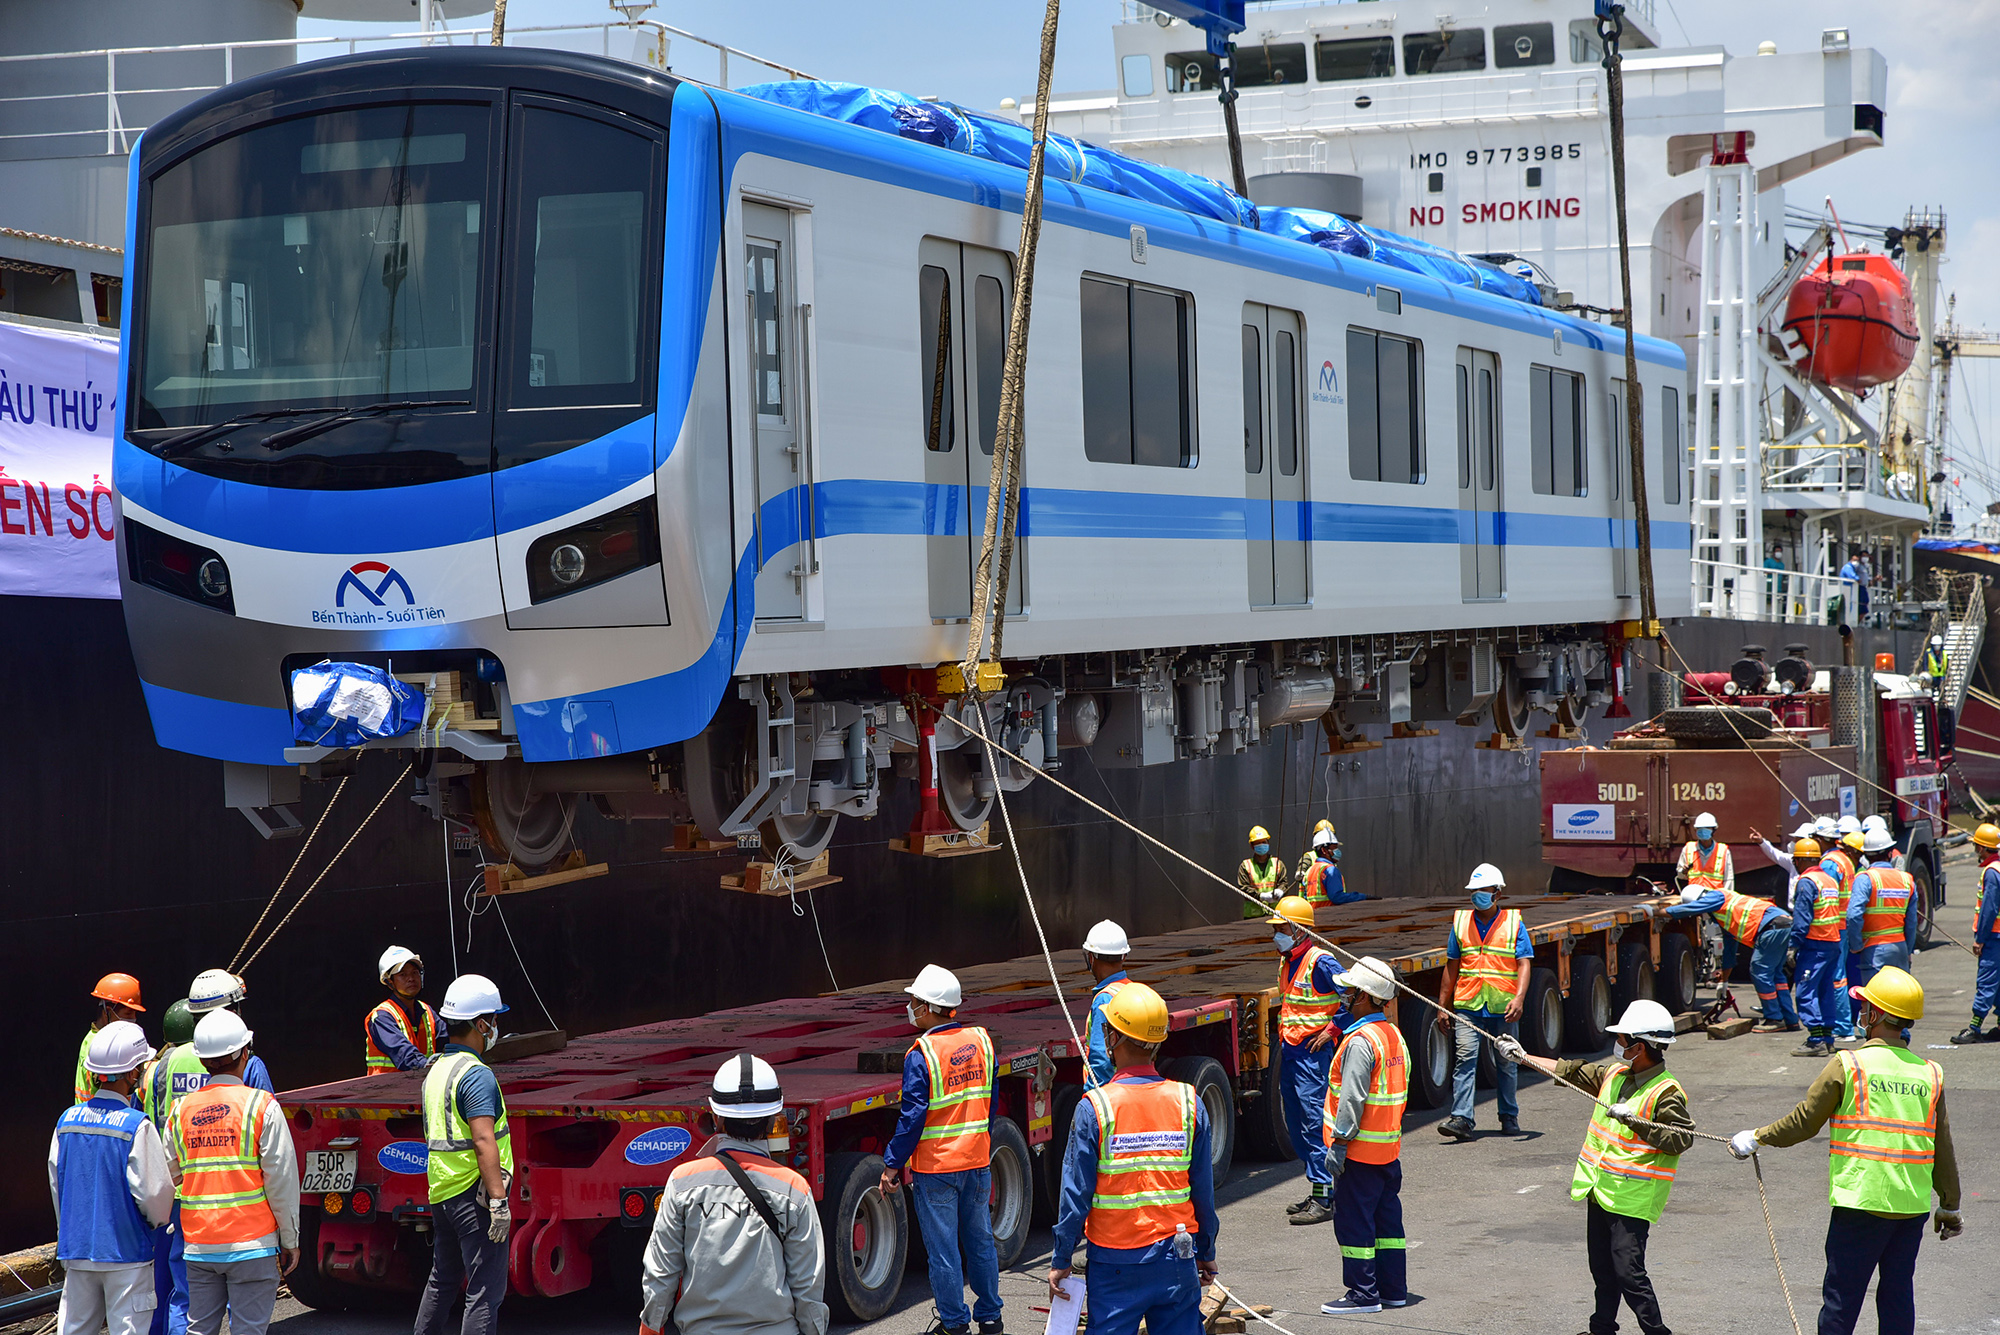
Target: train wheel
point(1211, 1086)
point(1013, 1198)
point(1542, 1014)
point(527, 828)
point(1587, 1009)
point(961, 780)
point(1510, 707)
point(806, 836)
point(867, 1237)
point(1674, 985)
point(715, 767)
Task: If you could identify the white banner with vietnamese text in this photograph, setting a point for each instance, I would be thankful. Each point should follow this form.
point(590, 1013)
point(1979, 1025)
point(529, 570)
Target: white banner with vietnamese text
point(58, 517)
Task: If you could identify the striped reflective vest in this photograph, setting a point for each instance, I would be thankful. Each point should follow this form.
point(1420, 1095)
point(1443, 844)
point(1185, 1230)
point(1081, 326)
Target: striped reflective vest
point(423, 1037)
point(1829, 909)
point(955, 1135)
point(86, 1083)
point(1711, 872)
point(1380, 1136)
point(1145, 1144)
point(1488, 969)
point(1934, 664)
point(1302, 1012)
point(1843, 867)
point(1622, 1172)
point(100, 1221)
point(177, 1074)
point(1884, 1137)
point(1262, 882)
point(1314, 890)
point(1743, 915)
point(215, 1135)
point(453, 1165)
point(1888, 905)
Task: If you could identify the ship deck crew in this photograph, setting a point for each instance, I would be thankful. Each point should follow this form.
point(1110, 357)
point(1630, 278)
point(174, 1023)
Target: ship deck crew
point(1138, 1186)
point(1308, 1023)
point(109, 1182)
point(471, 1164)
point(401, 1032)
point(117, 999)
point(943, 1141)
point(1324, 883)
point(1882, 911)
point(1985, 937)
point(1488, 957)
point(1765, 930)
point(1262, 874)
point(1104, 950)
point(1626, 1169)
point(1365, 1098)
point(1890, 1151)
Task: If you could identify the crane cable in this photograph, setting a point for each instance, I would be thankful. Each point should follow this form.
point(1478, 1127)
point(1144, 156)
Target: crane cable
point(994, 572)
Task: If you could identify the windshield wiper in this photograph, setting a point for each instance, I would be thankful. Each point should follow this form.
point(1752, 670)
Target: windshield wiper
point(291, 436)
point(187, 440)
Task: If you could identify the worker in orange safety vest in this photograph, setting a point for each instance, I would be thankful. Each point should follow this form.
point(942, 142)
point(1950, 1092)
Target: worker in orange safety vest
point(402, 1031)
point(1365, 1098)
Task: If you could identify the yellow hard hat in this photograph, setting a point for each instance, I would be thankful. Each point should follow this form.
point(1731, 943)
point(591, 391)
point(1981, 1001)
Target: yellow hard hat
point(1326, 825)
point(1851, 840)
point(1987, 836)
point(1894, 992)
point(1259, 835)
point(1805, 848)
point(1138, 1012)
point(1292, 909)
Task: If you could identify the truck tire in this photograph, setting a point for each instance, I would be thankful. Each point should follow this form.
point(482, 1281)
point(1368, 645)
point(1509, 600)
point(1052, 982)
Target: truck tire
point(1486, 1067)
point(1587, 1009)
point(1048, 1192)
point(1013, 1199)
point(1675, 983)
point(1263, 1128)
point(867, 1237)
point(1920, 873)
point(1635, 975)
point(1431, 1057)
point(1542, 1015)
point(1211, 1086)
point(1718, 723)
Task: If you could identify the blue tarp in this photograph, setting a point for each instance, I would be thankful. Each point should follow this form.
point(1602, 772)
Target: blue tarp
point(952, 127)
point(346, 704)
point(1957, 545)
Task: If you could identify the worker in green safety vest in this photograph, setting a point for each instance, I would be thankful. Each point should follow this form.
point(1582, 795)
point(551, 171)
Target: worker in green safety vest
point(1935, 663)
point(1890, 1151)
point(471, 1164)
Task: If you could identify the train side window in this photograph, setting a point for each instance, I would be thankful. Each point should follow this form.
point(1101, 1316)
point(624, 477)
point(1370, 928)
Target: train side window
point(1354, 58)
point(1385, 421)
point(1464, 425)
point(1672, 462)
point(1617, 437)
point(1253, 399)
point(1556, 425)
point(1487, 433)
point(989, 350)
point(1285, 401)
point(1138, 374)
point(1456, 52)
point(934, 312)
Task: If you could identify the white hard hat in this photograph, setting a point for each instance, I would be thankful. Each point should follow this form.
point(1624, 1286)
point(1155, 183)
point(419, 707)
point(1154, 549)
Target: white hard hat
point(1938, 640)
point(1825, 825)
point(213, 989)
point(1806, 830)
point(1645, 1019)
point(1371, 976)
point(1107, 938)
point(220, 1034)
point(1848, 825)
point(394, 958)
point(1875, 839)
point(118, 1047)
point(746, 1086)
point(1321, 838)
point(1486, 876)
point(937, 986)
point(470, 996)
point(1704, 821)
point(1874, 822)
point(1690, 894)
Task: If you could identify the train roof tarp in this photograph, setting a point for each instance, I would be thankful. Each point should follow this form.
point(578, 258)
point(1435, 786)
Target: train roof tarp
point(953, 127)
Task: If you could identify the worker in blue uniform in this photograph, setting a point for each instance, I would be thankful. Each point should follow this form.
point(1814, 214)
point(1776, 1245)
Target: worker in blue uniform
point(1324, 882)
point(1310, 1017)
point(1985, 936)
point(1138, 1185)
point(1104, 950)
point(1881, 910)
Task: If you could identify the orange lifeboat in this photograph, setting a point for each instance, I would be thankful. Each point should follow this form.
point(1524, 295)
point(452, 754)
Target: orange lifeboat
point(1853, 320)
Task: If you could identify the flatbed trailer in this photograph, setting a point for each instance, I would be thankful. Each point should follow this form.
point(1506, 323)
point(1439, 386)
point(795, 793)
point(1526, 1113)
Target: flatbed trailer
point(598, 1125)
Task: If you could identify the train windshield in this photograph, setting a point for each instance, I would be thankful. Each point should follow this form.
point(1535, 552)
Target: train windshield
point(328, 260)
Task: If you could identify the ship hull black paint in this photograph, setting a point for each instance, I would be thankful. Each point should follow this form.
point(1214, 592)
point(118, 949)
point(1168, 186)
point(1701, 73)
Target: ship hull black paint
point(120, 856)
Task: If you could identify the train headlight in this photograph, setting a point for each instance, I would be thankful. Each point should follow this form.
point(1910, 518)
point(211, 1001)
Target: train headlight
point(173, 565)
point(594, 551)
point(212, 578)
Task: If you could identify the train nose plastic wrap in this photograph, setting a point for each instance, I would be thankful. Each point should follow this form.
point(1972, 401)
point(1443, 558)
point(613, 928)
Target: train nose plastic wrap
point(346, 704)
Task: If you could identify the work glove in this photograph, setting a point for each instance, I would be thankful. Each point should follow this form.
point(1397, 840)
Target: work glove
point(1743, 1144)
point(1625, 1111)
point(1509, 1048)
point(1948, 1224)
point(498, 1218)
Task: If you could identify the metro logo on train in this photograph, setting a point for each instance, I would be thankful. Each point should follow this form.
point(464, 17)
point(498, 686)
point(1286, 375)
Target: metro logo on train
point(390, 579)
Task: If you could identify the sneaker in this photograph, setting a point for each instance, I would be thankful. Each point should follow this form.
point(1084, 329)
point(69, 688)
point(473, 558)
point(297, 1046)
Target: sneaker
point(1456, 1128)
point(997, 1326)
point(1510, 1126)
point(1772, 1027)
point(1301, 1207)
point(1395, 1302)
point(938, 1327)
point(1317, 1211)
point(1816, 1047)
point(1970, 1034)
point(1348, 1306)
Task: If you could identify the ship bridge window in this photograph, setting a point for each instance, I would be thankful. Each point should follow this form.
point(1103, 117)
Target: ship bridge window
point(1346, 59)
point(1586, 48)
point(1138, 374)
point(1137, 72)
point(1517, 44)
point(1260, 66)
point(1458, 51)
point(1385, 419)
point(1556, 428)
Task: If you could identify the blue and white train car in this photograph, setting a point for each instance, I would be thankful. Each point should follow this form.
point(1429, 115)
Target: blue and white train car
point(663, 415)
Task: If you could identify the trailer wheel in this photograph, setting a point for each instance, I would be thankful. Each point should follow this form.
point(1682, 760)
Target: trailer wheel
point(1674, 985)
point(1542, 1014)
point(1635, 975)
point(1431, 1057)
point(1920, 873)
point(1263, 1129)
point(1211, 1086)
point(1048, 1197)
point(1587, 1009)
point(317, 1291)
point(1013, 1199)
point(867, 1237)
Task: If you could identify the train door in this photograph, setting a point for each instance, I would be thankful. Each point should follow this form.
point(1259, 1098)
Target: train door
point(774, 359)
point(964, 296)
point(1624, 515)
point(1274, 457)
point(577, 367)
point(1481, 555)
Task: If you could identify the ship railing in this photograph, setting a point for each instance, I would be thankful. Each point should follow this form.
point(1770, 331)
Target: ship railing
point(1788, 596)
point(95, 103)
point(1844, 468)
point(1132, 11)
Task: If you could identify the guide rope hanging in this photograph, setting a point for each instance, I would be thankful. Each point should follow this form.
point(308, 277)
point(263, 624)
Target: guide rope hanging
point(297, 858)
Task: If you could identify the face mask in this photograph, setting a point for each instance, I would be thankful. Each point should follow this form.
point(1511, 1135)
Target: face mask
point(911, 1010)
point(1261, 850)
point(1705, 837)
point(1284, 940)
point(1333, 855)
point(1482, 899)
point(490, 1031)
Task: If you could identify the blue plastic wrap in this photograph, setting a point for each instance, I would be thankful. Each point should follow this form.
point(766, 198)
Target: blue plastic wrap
point(346, 704)
point(1330, 231)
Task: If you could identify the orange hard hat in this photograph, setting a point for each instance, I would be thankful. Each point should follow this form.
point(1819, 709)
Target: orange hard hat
point(120, 988)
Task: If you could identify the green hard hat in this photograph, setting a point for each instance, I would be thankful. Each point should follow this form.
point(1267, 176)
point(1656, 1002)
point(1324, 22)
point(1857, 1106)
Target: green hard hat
point(178, 1026)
